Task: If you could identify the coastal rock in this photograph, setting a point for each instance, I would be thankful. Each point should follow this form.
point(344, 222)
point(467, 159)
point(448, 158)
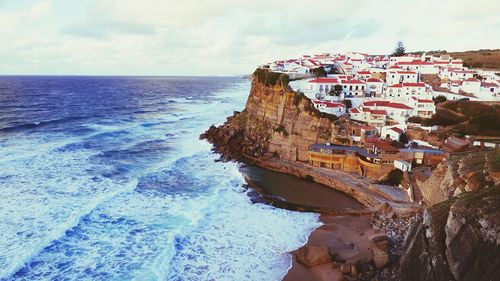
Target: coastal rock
point(380, 249)
point(313, 255)
point(458, 239)
point(458, 174)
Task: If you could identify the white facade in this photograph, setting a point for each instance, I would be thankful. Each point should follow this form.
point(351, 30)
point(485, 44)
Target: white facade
point(402, 165)
point(400, 76)
point(405, 90)
point(374, 87)
point(329, 107)
point(391, 132)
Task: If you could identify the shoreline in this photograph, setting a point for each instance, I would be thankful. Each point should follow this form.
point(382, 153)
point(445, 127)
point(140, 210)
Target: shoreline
point(346, 238)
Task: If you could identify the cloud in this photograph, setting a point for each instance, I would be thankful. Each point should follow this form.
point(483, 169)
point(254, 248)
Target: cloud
point(208, 37)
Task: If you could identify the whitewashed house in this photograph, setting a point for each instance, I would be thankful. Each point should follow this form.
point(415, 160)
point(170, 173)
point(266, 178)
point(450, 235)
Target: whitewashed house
point(375, 117)
point(363, 75)
point(394, 110)
point(422, 107)
point(402, 165)
point(374, 87)
point(423, 67)
point(489, 92)
point(353, 88)
point(392, 132)
point(471, 85)
point(456, 73)
point(322, 85)
point(400, 76)
point(397, 60)
point(330, 107)
point(405, 90)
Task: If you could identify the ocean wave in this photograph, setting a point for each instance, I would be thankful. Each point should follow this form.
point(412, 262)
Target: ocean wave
point(40, 124)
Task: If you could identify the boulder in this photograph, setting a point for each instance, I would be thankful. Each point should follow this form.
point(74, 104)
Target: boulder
point(311, 256)
point(458, 239)
point(380, 250)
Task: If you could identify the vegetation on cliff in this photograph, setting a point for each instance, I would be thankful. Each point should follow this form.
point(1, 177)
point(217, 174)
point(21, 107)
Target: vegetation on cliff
point(465, 118)
point(484, 58)
point(269, 78)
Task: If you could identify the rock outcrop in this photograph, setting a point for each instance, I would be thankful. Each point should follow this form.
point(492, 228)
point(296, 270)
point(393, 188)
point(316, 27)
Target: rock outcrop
point(458, 239)
point(459, 174)
point(313, 255)
point(276, 121)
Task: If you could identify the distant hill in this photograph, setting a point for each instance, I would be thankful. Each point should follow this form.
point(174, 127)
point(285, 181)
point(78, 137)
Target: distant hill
point(487, 58)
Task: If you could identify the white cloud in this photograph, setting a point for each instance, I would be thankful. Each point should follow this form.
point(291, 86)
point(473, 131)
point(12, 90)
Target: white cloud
point(209, 37)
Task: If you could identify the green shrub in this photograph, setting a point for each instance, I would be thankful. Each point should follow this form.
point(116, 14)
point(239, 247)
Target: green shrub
point(269, 78)
point(439, 99)
point(281, 129)
point(393, 178)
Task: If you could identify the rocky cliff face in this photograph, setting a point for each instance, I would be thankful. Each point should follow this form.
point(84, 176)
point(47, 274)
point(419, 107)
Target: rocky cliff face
point(459, 174)
point(276, 121)
point(458, 239)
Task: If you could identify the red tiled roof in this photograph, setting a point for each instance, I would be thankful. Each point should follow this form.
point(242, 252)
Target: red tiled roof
point(353, 110)
point(378, 112)
point(406, 72)
point(425, 101)
point(415, 62)
point(396, 105)
point(471, 80)
point(395, 67)
point(364, 72)
point(352, 82)
point(324, 80)
point(374, 80)
point(407, 85)
point(330, 104)
point(488, 85)
point(397, 130)
point(367, 127)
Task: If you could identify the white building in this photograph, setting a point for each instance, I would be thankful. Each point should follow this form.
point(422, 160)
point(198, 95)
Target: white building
point(400, 76)
point(375, 118)
point(423, 67)
point(329, 107)
point(402, 165)
point(422, 107)
point(489, 92)
point(456, 74)
point(397, 60)
point(405, 90)
point(391, 132)
point(374, 87)
point(353, 88)
point(394, 110)
point(363, 75)
point(322, 85)
point(471, 85)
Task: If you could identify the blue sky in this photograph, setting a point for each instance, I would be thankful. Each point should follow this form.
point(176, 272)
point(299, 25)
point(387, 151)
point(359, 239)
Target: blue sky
point(225, 37)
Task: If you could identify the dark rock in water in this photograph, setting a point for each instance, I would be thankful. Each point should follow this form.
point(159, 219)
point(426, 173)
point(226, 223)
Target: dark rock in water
point(458, 239)
point(313, 255)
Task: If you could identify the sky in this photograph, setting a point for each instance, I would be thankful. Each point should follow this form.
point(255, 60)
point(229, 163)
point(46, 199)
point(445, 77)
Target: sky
point(225, 37)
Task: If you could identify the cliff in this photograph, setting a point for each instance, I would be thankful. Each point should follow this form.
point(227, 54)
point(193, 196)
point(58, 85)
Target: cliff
point(460, 173)
point(458, 239)
point(274, 131)
point(276, 121)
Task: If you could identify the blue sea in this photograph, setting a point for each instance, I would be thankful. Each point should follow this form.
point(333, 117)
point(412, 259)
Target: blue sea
point(104, 178)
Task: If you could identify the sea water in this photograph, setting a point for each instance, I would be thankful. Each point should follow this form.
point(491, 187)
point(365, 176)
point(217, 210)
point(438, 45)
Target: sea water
point(105, 178)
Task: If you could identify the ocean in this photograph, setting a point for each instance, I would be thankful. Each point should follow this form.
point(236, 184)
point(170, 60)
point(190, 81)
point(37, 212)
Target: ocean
point(105, 178)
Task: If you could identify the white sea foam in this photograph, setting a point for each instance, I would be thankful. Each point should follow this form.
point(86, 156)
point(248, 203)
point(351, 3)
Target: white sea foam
point(106, 205)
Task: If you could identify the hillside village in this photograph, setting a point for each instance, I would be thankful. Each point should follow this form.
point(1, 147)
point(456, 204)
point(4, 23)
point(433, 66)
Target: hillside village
point(379, 99)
